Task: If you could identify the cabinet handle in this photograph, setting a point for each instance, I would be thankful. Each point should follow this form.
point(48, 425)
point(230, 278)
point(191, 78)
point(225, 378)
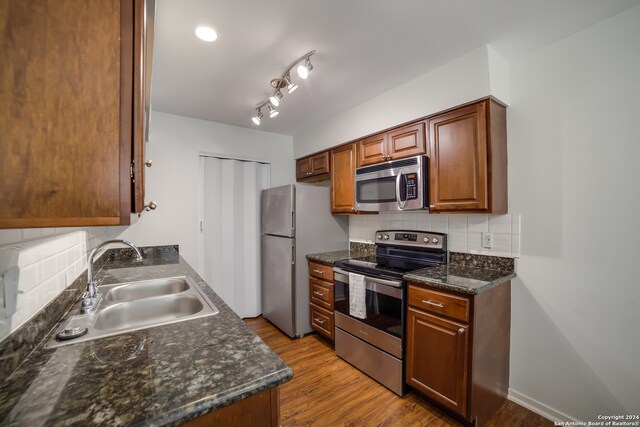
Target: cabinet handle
point(319, 272)
point(437, 304)
point(318, 320)
point(461, 330)
point(320, 294)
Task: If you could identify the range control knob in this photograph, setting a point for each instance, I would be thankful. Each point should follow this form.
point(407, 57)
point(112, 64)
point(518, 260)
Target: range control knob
point(426, 240)
point(435, 240)
point(385, 237)
point(379, 236)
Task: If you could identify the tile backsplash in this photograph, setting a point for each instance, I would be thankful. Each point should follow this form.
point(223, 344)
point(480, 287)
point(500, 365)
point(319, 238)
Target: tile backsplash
point(464, 231)
point(48, 260)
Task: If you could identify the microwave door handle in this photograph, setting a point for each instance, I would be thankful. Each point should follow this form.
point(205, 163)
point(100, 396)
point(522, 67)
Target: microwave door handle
point(399, 180)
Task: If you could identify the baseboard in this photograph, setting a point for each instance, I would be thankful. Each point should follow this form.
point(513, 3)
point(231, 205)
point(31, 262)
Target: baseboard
point(538, 407)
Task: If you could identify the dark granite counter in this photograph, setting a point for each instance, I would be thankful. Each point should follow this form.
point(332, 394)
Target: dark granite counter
point(467, 273)
point(163, 375)
point(355, 250)
point(330, 257)
point(460, 278)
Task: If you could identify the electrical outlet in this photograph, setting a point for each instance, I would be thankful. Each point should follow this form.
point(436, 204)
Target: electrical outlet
point(487, 240)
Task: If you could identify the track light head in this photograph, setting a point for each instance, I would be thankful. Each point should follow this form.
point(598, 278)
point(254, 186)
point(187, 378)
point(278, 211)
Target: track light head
point(303, 69)
point(290, 86)
point(275, 98)
point(258, 117)
point(272, 111)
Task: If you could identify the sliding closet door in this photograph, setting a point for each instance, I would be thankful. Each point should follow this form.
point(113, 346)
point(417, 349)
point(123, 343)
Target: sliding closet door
point(231, 231)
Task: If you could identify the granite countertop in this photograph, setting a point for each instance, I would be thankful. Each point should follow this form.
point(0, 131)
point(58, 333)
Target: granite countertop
point(163, 375)
point(466, 273)
point(330, 257)
point(460, 278)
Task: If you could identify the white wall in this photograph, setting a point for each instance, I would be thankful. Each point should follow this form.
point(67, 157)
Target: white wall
point(173, 181)
point(465, 79)
point(574, 148)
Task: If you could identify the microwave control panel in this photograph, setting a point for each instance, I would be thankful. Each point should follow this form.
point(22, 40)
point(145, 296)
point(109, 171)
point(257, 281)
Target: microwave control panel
point(412, 186)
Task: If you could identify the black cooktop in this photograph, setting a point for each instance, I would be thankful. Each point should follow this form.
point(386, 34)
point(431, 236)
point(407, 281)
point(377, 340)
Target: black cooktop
point(379, 265)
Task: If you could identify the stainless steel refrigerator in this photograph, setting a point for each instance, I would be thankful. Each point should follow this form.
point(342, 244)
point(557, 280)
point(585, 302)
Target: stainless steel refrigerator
point(296, 220)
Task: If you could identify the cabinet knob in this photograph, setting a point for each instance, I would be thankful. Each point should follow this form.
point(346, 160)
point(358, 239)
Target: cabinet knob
point(432, 206)
point(353, 209)
point(150, 206)
point(148, 163)
point(461, 330)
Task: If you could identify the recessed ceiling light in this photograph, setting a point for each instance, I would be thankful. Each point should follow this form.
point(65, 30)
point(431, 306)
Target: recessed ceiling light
point(207, 34)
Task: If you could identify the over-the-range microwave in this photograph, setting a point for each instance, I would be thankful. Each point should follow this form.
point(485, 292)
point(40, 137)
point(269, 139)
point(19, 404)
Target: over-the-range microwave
point(397, 185)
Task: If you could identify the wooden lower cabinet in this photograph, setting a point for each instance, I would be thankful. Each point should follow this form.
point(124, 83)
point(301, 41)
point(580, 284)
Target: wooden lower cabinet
point(260, 410)
point(462, 366)
point(321, 298)
point(437, 362)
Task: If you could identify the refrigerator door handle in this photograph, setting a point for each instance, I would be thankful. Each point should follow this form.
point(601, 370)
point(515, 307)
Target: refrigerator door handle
point(293, 254)
point(293, 221)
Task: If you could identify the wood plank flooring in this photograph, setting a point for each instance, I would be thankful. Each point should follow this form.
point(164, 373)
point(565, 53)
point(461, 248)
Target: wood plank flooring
point(327, 391)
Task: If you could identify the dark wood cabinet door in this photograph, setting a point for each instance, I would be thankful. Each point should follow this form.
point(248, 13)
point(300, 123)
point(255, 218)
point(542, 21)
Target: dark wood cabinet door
point(303, 168)
point(372, 150)
point(437, 359)
point(343, 160)
point(407, 141)
point(458, 163)
point(320, 164)
point(65, 135)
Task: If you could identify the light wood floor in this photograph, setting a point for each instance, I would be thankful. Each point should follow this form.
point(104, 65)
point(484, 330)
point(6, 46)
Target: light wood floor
point(327, 391)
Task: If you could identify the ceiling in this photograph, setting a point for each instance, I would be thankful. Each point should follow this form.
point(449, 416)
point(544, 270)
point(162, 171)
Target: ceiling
point(364, 48)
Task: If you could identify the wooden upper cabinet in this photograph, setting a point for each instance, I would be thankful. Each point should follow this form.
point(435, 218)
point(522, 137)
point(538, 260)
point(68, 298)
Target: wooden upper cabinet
point(372, 150)
point(66, 112)
point(395, 144)
point(406, 141)
point(313, 167)
point(343, 160)
point(468, 159)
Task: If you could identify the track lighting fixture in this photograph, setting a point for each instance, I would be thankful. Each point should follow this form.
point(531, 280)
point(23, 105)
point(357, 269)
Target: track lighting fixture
point(304, 67)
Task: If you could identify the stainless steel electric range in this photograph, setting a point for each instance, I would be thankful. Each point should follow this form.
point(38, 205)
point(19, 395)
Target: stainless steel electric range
point(370, 302)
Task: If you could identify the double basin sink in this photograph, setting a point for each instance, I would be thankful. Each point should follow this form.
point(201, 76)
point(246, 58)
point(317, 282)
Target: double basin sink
point(131, 306)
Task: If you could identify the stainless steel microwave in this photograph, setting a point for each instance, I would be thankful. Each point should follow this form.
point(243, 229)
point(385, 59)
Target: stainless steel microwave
point(398, 185)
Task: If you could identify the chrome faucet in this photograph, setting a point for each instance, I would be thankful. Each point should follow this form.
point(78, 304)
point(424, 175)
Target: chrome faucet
point(91, 297)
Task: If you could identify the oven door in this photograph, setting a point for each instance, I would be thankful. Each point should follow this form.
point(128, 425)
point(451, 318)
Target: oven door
point(396, 185)
point(383, 322)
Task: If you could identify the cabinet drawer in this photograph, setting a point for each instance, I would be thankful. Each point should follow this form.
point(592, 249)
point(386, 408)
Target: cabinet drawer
point(449, 305)
point(321, 271)
point(322, 321)
point(322, 293)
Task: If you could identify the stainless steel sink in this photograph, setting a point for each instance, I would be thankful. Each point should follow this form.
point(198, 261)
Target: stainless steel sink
point(131, 306)
point(144, 289)
point(146, 312)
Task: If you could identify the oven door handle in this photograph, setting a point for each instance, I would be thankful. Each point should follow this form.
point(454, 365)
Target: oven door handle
point(399, 181)
point(343, 276)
